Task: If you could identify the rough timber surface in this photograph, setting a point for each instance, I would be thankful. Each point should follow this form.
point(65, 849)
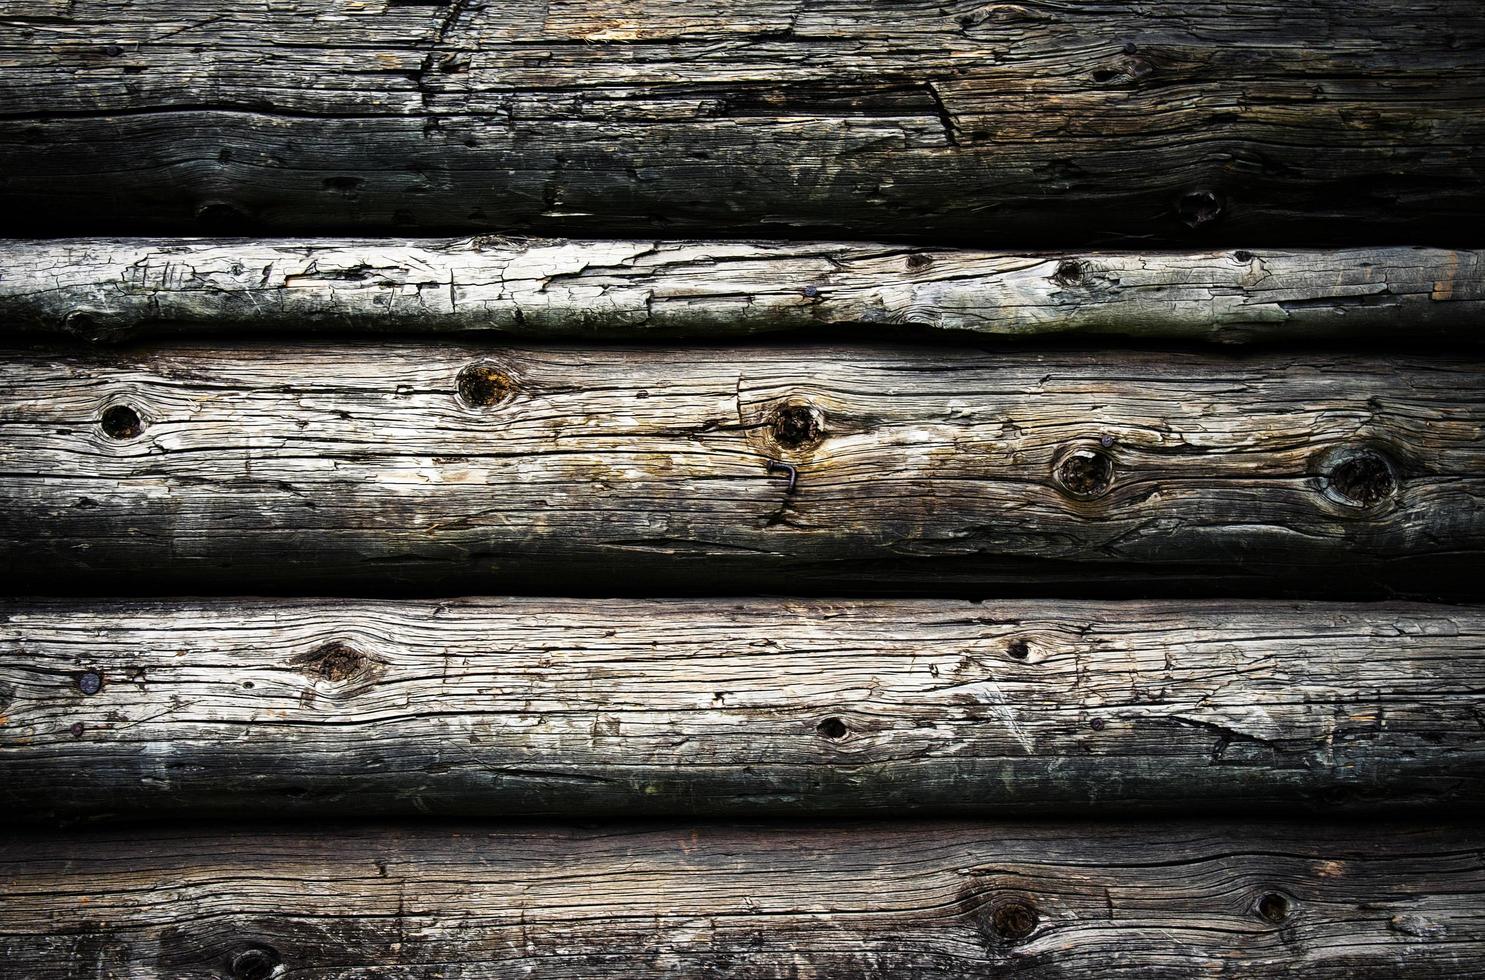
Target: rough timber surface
point(118, 289)
point(921, 900)
point(1270, 121)
point(592, 708)
point(602, 469)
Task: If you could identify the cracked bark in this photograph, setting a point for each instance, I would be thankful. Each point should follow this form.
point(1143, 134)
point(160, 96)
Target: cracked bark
point(578, 707)
point(1015, 123)
point(128, 288)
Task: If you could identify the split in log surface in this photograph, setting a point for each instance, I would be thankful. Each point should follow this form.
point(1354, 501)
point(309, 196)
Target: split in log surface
point(1012, 123)
point(606, 470)
point(913, 900)
point(586, 707)
point(115, 289)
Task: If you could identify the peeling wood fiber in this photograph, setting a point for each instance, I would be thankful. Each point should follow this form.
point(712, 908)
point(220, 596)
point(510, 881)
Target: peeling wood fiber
point(610, 470)
point(1327, 121)
point(116, 289)
point(916, 900)
point(591, 707)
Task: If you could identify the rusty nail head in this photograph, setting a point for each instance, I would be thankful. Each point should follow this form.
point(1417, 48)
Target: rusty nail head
point(774, 466)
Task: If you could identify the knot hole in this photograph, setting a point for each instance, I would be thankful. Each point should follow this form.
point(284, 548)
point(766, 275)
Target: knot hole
point(121, 422)
point(1200, 207)
point(484, 386)
point(255, 963)
point(1084, 473)
point(833, 729)
point(1359, 478)
point(797, 425)
point(1273, 907)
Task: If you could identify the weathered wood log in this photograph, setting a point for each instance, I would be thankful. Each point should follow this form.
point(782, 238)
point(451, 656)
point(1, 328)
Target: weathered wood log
point(609, 470)
point(588, 707)
point(1028, 122)
point(915, 900)
point(127, 288)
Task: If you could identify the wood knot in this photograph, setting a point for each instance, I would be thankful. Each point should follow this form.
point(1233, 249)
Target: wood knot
point(1359, 478)
point(120, 422)
point(1273, 907)
point(1005, 13)
point(342, 185)
point(256, 963)
point(833, 729)
point(1018, 649)
point(797, 425)
point(1199, 207)
point(484, 386)
point(1010, 918)
point(82, 323)
point(335, 662)
point(1070, 272)
point(1125, 71)
point(1084, 473)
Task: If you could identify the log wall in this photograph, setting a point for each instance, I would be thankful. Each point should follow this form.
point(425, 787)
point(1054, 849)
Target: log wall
point(1174, 511)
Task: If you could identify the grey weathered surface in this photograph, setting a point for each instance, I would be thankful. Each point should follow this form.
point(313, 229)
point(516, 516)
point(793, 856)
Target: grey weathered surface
point(113, 289)
point(609, 469)
point(592, 707)
point(1271, 120)
point(910, 900)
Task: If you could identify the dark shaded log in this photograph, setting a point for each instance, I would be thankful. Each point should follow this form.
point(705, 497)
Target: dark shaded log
point(589, 707)
point(113, 289)
point(911, 900)
point(604, 469)
point(1008, 123)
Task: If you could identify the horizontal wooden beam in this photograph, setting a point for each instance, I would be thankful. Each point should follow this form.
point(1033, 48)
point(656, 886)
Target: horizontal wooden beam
point(591, 707)
point(116, 289)
point(606, 470)
point(1333, 120)
point(910, 900)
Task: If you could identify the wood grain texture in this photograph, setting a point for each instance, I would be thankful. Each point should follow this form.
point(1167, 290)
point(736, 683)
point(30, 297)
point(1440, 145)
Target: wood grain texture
point(592, 708)
point(115, 289)
point(1272, 121)
point(911, 900)
point(607, 470)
